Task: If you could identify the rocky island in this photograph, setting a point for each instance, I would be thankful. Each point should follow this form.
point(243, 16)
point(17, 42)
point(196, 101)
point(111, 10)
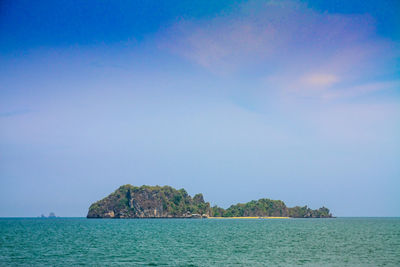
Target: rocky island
point(166, 202)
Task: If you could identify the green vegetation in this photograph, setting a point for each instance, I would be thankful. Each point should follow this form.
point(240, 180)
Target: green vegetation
point(269, 208)
point(261, 208)
point(166, 202)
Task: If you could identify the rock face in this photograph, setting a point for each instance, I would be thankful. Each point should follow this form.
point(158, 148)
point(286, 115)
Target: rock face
point(149, 202)
point(166, 202)
point(306, 212)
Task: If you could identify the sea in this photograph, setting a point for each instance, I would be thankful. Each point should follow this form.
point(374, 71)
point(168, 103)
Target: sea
point(200, 242)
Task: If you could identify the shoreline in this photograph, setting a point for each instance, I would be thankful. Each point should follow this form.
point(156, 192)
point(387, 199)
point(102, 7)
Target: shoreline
point(248, 217)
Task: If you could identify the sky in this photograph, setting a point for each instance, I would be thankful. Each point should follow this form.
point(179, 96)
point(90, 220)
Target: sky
point(239, 100)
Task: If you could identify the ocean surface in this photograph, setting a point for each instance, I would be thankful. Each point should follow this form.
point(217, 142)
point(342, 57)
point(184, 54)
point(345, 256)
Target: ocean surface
point(200, 242)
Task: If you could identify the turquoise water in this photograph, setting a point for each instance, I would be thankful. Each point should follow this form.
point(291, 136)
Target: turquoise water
point(212, 242)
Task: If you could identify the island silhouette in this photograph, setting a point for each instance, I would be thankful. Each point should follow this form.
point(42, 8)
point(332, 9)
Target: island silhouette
point(130, 201)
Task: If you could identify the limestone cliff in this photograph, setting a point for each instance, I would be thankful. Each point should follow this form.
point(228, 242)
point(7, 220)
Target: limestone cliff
point(149, 202)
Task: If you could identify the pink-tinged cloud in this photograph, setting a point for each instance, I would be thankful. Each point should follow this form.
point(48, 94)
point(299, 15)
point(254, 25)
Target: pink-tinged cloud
point(300, 49)
point(320, 79)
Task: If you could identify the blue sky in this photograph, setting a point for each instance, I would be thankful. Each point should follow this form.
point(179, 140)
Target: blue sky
point(291, 100)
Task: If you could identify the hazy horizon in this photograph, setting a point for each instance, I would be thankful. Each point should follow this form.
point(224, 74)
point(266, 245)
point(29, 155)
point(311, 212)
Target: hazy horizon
point(238, 100)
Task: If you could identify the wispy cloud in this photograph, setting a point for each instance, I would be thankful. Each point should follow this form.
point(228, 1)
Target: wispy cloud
point(13, 113)
point(361, 89)
point(301, 49)
point(320, 79)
